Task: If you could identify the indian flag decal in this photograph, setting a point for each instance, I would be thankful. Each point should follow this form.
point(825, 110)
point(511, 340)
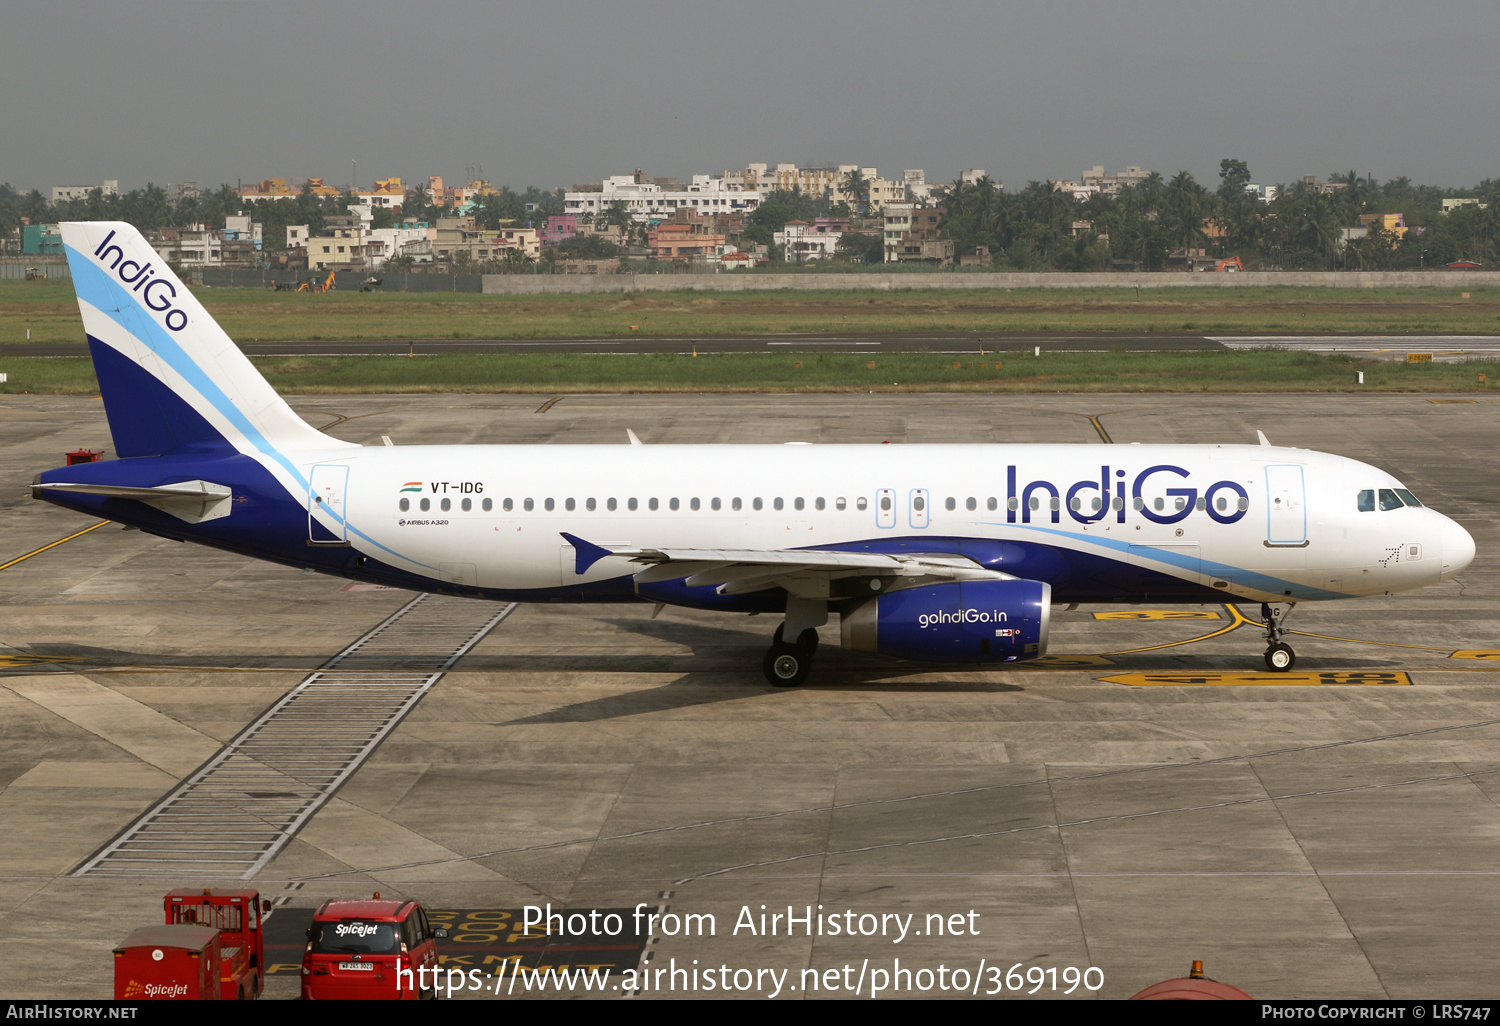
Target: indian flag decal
point(412, 486)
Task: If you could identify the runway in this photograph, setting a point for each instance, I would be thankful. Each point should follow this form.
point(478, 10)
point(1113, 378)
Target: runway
point(937, 343)
point(1143, 798)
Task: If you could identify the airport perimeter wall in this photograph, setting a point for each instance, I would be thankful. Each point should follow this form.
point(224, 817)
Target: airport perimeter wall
point(516, 284)
point(874, 281)
point(14, 268)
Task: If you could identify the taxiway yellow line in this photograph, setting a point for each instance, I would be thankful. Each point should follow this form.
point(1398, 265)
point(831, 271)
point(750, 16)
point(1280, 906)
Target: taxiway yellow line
point(52, 545)
point(1237, 619)
point(1357, 641)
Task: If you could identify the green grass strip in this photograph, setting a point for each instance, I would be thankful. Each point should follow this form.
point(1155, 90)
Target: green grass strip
point(1271, 371)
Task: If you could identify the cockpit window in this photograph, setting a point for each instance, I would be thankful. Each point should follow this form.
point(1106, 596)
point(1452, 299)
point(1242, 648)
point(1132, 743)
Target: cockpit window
point(1389, 499)
point(1367, 501)
point(1407, 497)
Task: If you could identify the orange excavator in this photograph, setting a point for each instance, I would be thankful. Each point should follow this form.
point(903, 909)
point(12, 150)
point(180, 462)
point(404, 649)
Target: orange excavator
point(311, 286)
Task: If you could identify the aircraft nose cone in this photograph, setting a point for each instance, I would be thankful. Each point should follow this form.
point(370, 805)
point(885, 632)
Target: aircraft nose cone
point(1458, 548)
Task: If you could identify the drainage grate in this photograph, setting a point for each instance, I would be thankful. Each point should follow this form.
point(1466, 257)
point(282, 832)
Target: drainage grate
point(241, 807)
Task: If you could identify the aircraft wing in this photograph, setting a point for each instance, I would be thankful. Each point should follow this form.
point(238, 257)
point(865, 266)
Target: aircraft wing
point(800, 571)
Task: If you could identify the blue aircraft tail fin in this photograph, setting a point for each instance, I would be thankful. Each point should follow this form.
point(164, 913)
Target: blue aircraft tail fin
point(171, 379)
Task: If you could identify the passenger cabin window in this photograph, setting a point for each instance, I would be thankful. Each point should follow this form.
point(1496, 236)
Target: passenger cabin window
point(652, 504)
point(405, 505)
point(735, 503)
point(950, 504)
point(508, 505)
point(992, 504)
point(488, 505)
point(634, 504)
point(446, 505)
point(840, 504)
point(569, 505)
point(467, 504)
point(590, 505)
point(778, 503)
point(426, 505)
point(1389, 499)
point(885, 503)
point(1014, 503)
point(862, 503)
point(528, 504)
point(673, 504)
point(611, 504)
point(818, 502)
point(693, 503)
point(797, 503)
point(757, 503)
point(549, 505)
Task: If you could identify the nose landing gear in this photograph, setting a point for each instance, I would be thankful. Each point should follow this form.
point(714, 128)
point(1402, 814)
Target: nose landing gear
point(1279, 655)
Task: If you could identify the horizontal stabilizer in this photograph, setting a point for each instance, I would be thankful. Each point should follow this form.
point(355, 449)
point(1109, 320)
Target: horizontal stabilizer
point(192, 501)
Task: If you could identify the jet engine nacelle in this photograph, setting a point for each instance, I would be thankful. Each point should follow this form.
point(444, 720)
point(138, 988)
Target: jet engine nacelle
point(962, 622)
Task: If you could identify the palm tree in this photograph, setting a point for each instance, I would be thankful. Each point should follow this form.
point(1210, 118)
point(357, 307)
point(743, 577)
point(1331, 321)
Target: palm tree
point(856, 189)
point(1184, 206)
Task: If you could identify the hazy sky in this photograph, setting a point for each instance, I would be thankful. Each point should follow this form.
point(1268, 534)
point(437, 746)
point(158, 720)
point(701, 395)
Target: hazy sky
point(572, 90)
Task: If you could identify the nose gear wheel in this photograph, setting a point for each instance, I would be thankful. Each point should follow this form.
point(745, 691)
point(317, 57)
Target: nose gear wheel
point(1279, 655)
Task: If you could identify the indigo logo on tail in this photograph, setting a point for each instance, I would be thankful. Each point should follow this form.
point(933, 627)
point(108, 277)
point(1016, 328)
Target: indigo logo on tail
point(156, 293)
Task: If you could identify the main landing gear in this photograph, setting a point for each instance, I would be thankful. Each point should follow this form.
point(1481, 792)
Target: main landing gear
point(787, 662)
point(1279, 655)
point(787, 665)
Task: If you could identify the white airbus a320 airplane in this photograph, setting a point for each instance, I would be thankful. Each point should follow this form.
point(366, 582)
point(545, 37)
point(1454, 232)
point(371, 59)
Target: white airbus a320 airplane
point(942, 553)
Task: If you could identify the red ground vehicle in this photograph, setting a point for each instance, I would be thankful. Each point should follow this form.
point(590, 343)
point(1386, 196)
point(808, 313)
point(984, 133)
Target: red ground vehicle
point(370, 950)
point(168, 963)
point(239, 917)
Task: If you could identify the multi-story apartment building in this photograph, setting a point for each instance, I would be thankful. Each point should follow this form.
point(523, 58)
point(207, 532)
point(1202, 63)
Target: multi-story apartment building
point(460, 235)
point(647, 200)
point(387, 194)
point(911, 235)
point(763, 179)
point(878, 191)
point(110, 187)
point(341, 247)
point(686, 235)
point(800, 241)
point(281, 188)
point(235, 245)
point(1110, 185)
